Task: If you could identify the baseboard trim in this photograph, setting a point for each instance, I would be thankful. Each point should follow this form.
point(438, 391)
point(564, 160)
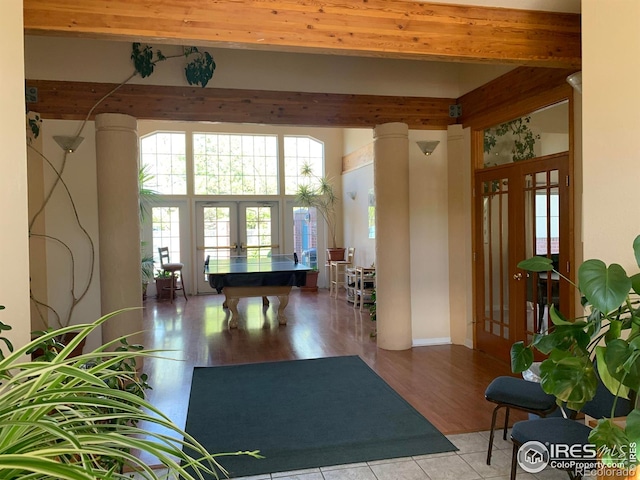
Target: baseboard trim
point(426, 342)
point(469, 344)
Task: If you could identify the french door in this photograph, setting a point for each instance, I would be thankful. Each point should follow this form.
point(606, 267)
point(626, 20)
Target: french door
point(235, 229)
point(522, 209)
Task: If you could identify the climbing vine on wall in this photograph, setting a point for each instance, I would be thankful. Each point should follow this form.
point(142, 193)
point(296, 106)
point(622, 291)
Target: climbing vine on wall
point(199, 70)
point(519, 132)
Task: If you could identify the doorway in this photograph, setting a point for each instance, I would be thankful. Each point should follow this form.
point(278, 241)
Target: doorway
point(522, 209)
point(235, 229)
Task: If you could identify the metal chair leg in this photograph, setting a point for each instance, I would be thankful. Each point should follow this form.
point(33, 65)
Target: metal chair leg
point(514, 461)
point(506, 424)
point(491, 434)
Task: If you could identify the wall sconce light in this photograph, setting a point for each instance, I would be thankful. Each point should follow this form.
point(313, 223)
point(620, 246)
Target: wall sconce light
point(428, 146)
point(352, 195)
point(68, 144)
point(575, 80)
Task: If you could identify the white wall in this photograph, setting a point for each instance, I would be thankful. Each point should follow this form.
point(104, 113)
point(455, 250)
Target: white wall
point(356, 214)
point(610, 126)
point(14, 284)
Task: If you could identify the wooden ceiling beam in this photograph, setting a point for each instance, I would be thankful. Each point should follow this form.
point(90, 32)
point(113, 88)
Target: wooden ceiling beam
point(73, 100)
point(385, 28)
point(522, 90)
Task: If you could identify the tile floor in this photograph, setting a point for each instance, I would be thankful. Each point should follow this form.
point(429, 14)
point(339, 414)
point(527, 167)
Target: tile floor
point(468, 463)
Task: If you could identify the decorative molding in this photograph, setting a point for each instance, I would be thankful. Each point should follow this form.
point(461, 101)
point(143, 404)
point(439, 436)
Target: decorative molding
point(426, 342)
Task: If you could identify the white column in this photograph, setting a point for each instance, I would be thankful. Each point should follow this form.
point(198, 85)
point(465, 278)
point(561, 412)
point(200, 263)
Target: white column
point(117, 171)
point(14, 236)
point(393, 279)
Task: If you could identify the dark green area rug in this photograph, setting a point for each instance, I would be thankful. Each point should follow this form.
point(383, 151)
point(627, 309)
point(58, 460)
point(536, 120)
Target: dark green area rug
point(303, 414)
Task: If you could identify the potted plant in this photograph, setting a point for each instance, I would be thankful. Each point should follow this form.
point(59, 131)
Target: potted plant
point(311, 284)
point(317, 192)
point(164, 279)
point(77, 418)
point(608, 334)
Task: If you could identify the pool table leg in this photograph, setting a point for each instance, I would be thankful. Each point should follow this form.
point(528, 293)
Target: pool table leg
point(232, 305)
point(284, 301)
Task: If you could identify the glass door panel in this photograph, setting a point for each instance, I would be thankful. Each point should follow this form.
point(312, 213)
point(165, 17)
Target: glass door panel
point(217, 235)
point(232, 229)
point(522, 210)
point(494, 302)
point(542, 238)
point(258, 230)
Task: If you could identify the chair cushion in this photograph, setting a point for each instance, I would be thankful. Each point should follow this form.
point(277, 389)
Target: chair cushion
point(553, 430)
point(519, 393)
point(172, 267)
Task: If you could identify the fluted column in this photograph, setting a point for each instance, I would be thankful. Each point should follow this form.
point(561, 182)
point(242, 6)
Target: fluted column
point(117, 171)
point(393, 269)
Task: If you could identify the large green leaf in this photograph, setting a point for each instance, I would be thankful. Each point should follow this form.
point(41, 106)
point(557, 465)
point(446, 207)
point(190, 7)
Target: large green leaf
point(570, 379)
point(635, 283)
point(536, 264)
point(611, 441)
point(636, 249)
point(606, 288)
point(521, 357)
point(612, 384)
point(633, 426)
point(563, 337)
point(622, 362)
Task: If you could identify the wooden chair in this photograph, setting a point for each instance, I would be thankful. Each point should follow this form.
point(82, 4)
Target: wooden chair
point(173, 269)
point(338, 271)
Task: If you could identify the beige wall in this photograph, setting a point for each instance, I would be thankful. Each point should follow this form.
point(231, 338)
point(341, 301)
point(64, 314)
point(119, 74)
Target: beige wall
point(429, 240)
point(428, 234)
point(611, 123)
point(49, 58)
point(14, 285)
point(80, 178)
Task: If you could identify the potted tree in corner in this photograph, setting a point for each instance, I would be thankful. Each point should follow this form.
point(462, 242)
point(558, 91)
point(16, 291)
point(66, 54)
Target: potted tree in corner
point(317, 192)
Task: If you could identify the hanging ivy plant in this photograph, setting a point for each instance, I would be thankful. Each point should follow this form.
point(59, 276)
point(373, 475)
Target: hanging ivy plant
point(198, 71)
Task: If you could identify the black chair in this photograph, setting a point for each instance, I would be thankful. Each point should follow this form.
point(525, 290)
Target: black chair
point(520, 394)
point(559, 430)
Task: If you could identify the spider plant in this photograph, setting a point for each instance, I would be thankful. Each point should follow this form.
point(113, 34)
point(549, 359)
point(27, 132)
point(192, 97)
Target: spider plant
point(64, 418)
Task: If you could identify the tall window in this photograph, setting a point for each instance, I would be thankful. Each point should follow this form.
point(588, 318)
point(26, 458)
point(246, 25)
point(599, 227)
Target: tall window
point(164, 156)
point(226, 164)
point(165, 223)
point(300, 151)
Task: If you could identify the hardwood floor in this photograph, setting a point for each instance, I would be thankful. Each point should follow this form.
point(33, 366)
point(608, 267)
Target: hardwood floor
point(445, 383)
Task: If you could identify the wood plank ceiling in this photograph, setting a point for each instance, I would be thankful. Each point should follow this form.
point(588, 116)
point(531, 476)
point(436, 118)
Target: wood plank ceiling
point(383, 28)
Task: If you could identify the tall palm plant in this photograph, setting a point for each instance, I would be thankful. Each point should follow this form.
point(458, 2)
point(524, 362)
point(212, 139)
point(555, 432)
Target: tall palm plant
point(318, 193)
